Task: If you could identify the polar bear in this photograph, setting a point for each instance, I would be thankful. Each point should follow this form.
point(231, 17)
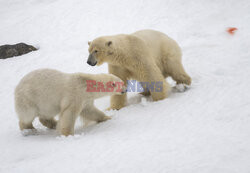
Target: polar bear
point(44, 93)
point(146, 56)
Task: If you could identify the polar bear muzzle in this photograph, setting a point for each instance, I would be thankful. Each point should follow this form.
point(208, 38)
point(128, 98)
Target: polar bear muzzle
point(92, 60)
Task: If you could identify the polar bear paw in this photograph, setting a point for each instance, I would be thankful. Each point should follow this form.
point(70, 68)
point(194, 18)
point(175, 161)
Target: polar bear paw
point(28, 132)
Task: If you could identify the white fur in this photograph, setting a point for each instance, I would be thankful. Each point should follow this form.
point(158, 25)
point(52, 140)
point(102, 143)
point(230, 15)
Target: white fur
point(45, 93)
point(146, 56)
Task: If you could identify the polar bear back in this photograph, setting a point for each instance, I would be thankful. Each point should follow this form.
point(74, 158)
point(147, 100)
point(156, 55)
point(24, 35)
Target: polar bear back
point(42, 89)
point(158, 42)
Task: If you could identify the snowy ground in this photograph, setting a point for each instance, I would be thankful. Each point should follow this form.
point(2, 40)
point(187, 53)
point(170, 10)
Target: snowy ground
point(205, 129)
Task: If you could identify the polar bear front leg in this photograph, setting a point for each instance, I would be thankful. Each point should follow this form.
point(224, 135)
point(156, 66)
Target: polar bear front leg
point(118, 101)
point(90, 112)
point(67, 122)
point(161, 92)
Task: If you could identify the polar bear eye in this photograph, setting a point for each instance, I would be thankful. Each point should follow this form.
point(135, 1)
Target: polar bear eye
point(95, 51)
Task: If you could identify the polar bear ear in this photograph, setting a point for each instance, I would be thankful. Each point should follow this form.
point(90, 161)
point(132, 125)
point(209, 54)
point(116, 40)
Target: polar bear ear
point(108, 43)
point(89, 42)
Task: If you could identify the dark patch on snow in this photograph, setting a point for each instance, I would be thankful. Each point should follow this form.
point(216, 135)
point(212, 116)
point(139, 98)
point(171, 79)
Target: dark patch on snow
point(8, 51)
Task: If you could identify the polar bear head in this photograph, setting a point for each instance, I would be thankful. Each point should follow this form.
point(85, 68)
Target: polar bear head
point(112, 49)
point(101, 50)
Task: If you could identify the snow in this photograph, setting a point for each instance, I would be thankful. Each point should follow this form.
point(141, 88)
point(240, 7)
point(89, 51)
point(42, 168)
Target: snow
point(204, 129)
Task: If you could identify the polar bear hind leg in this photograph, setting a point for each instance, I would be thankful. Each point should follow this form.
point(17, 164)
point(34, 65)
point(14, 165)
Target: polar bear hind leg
point(50, 123)
point(26, 118)
point(174, 68)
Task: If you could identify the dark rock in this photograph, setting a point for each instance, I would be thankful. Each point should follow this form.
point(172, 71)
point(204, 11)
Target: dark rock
point(8, 51)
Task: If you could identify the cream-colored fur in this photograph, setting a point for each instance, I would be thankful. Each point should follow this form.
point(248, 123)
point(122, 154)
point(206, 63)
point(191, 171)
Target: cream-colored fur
point(146, 56)
point(45, 93)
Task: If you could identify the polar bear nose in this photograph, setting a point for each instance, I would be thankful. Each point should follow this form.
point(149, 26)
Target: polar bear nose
point(91, 63)
point(91, 60)
point(124, 90)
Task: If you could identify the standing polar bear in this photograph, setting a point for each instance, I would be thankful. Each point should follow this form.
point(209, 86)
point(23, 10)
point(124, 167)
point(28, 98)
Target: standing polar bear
point(45, 93)
point(146, 56)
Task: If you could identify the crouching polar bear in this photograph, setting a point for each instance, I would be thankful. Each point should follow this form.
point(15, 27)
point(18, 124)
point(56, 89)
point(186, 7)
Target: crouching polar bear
point(146, 56)
point(45, 93)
